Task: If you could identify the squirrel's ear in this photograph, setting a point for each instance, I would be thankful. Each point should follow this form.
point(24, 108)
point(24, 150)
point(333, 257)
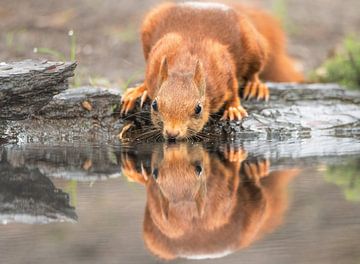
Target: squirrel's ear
point(163, 72)
point(199, 77)
point(164, 205)
point(200, 199)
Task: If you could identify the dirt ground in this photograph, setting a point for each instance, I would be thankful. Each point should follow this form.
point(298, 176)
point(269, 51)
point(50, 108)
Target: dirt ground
point(107, 38)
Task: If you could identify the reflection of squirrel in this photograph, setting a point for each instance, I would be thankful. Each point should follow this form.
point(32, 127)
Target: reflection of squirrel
point(196, 54)
point(201, 206)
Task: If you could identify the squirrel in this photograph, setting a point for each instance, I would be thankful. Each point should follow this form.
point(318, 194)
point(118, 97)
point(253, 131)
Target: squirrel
point(196, 55)
point(203, 203)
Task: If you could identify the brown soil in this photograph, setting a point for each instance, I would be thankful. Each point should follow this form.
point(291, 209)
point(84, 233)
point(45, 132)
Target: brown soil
point(108, 45)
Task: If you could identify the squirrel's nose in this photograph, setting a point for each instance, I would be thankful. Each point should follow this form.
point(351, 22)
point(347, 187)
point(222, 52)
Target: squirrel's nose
point(171, 135)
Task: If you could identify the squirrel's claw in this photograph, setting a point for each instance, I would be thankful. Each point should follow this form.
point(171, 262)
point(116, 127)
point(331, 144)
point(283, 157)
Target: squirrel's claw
point(143, 172)
point(143, 99)
point(234, 113)
point(124, 130)
point(258, 170)
point(129, 98)
point(256, 89)
point(128, 168)
point(234, 154)
point(127, 106)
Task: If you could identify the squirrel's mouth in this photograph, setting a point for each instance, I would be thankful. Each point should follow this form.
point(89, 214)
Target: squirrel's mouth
point(171, 140)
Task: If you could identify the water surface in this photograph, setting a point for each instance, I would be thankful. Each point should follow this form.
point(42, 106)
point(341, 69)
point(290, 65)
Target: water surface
point(250, 202)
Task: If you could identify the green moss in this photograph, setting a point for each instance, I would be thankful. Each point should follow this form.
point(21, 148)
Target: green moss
point(343, 67)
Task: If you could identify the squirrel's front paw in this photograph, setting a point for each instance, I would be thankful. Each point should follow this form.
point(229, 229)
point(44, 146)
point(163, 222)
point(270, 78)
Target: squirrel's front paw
point(235, 154)
point(256, 89)
point(256, 170)
point(129, 170)
point(129, 98)
point(234, 113)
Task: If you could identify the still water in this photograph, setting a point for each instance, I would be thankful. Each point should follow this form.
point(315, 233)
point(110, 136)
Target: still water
point(251, 202)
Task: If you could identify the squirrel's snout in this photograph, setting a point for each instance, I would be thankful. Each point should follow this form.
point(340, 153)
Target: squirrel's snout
point(172, 134)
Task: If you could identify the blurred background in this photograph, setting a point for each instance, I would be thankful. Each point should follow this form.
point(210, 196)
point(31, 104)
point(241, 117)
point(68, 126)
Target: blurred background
point(103, 36)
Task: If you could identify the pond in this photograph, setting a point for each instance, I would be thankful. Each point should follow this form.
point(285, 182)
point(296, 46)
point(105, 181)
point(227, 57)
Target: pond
point(293, 201)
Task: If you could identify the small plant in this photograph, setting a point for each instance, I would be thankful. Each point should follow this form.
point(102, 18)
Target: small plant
point(11, 39)
point(125, 34)
point(71, 189)
point(343, 67)
point(128, 34)
point(281, 12)
point(133, 77)
point(58, 55)
point(100, 81)
point(72, 45)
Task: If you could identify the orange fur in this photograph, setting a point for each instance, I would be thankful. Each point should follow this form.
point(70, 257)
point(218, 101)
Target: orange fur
point(222, 210)
point(234, 44)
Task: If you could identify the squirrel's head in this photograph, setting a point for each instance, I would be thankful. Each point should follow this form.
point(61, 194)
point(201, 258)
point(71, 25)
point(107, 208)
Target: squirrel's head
point(201, 204)
point(179, 108)
point(210, 212)
point(179, 177)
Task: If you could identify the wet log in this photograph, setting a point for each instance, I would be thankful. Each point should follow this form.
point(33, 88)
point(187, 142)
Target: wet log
point(85, 114)
point(76, 162)
point(27, 196)
point(26, 86)
point(293, 111)
point(86, 163)
point(88, 114)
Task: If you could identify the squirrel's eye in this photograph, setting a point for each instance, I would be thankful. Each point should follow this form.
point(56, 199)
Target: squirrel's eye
point(198, 109)
point(155, 174)
point(154, 106)
point(198, 169)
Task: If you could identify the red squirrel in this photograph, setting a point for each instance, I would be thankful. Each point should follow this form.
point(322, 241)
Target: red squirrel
point(203, 204)
point(196, 55)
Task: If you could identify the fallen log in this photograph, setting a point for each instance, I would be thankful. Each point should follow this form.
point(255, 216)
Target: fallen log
point(89, 114)
point(26, 86)
point(27, 196)
point(76, 162)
